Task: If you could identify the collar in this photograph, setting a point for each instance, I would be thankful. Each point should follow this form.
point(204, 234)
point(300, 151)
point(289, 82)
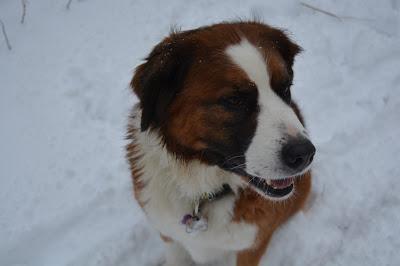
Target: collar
point(216, 195)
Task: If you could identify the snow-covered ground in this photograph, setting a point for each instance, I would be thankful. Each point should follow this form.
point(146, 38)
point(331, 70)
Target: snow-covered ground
point(65, 190)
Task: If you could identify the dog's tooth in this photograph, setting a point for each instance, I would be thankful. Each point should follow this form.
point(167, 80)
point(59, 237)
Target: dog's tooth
point(269, 182)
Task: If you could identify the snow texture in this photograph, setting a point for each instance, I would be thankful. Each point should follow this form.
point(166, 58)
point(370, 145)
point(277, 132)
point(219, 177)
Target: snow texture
point(65, 189)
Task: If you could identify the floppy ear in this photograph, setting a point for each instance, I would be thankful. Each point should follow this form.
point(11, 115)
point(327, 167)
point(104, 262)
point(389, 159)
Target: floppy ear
point(160, 78)
point(286, 47)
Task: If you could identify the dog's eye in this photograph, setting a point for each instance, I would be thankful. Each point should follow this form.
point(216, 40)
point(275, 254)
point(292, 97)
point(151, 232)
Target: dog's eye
point(286, 96)
point(284, 92)
point(233, 101)
point(241, 99)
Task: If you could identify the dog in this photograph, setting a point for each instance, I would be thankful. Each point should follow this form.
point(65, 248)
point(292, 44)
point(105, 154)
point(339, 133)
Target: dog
point(218, 151)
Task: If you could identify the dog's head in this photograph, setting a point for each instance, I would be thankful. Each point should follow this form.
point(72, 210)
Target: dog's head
point(221, 95)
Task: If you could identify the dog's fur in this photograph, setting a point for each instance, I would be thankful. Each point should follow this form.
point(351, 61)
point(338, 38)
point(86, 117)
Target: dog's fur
point(214, 100)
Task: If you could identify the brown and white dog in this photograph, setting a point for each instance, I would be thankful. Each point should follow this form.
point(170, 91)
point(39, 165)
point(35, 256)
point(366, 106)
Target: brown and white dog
point(218, 152)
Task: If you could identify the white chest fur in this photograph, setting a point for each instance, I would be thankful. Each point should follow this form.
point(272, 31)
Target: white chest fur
point(168, 189)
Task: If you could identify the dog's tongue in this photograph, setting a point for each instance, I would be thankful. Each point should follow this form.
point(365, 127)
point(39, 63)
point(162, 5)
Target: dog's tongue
point(281, 183)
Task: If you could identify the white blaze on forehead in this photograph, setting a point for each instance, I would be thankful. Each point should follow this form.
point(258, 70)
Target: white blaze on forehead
point(251, 61)
point(276, 120)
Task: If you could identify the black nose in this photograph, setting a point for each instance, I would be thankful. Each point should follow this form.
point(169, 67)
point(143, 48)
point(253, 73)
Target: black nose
point(298, 154)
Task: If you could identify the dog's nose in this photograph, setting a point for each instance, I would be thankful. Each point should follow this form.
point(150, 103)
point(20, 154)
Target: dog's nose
point(298, 154)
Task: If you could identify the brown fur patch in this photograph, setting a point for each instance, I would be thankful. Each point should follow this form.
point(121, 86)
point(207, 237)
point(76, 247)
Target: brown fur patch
point(166, 239)
point(133, 155)
point(268, 216)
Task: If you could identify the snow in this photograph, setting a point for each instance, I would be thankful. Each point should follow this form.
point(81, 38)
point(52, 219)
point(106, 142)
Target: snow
point(65, 190)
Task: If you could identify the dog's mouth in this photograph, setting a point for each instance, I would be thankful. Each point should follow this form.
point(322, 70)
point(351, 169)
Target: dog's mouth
point(274, 188)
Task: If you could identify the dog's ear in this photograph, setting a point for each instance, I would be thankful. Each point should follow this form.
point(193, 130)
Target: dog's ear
point(160, 78)
point(281, 61)
point(286, 47)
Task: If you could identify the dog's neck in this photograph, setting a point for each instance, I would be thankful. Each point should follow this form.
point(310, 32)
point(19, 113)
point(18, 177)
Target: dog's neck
point(190, 179)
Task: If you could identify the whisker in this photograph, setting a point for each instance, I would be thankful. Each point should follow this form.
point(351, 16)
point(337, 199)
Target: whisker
point(237, 156)
point(259, 181)
point(251, 180)
point(233, 157)
point(237, 166)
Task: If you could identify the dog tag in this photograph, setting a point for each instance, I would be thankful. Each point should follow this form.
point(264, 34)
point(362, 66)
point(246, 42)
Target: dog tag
point(195, 224)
